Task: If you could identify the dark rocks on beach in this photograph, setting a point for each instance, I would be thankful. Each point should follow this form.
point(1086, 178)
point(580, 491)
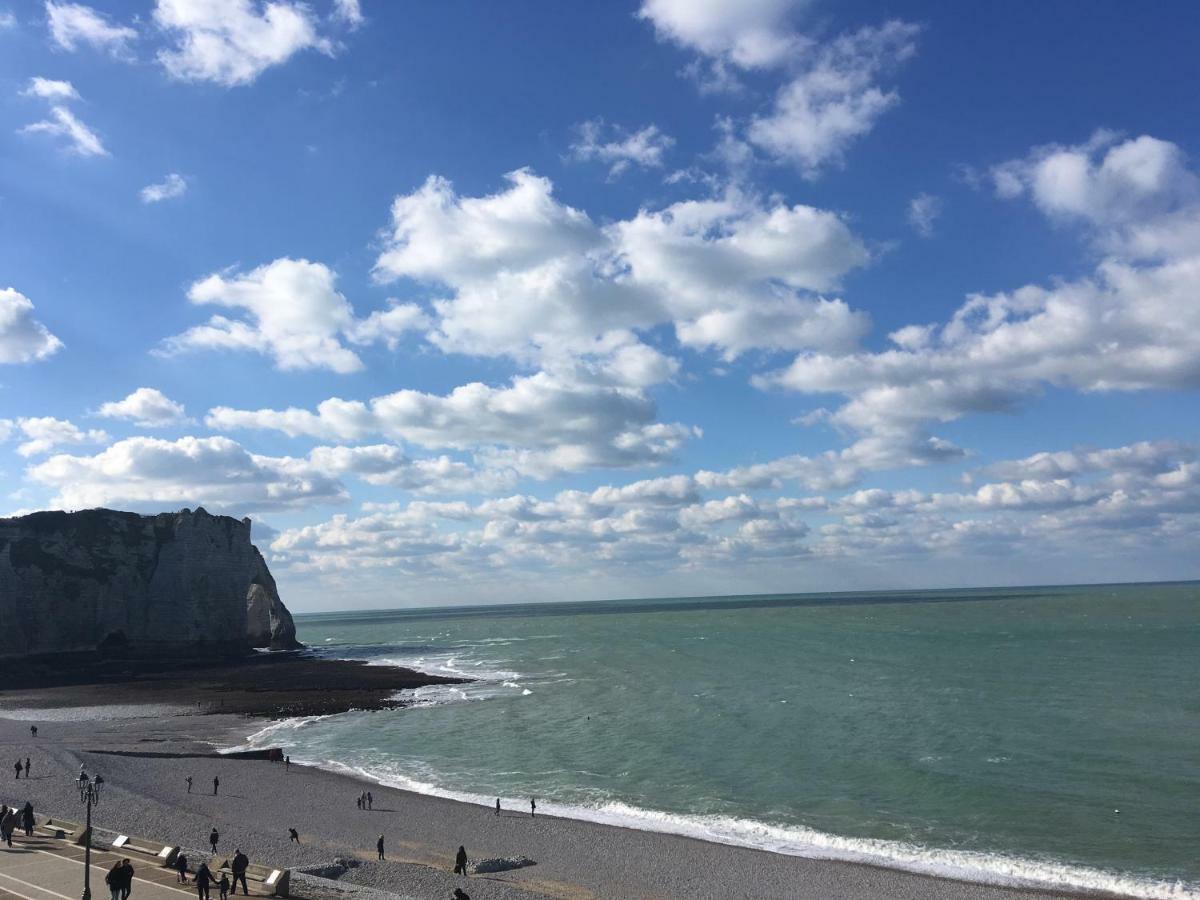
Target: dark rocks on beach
point(499, 864)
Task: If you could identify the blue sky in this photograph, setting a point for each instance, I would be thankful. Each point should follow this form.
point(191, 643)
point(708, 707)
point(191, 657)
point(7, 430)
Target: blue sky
point(470, 302)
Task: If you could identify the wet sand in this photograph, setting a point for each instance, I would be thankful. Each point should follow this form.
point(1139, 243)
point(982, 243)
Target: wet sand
point(259, 801)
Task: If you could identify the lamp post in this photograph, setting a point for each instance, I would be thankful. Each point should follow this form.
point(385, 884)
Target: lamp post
point(89, 797)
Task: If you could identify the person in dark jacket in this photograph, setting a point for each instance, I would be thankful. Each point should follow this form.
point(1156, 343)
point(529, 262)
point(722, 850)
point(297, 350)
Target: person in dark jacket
point(223, 884)
point(460, 862)
point(379, 846)
point(204, 878)
point(181, 867)
point(216, 784)
point(240, 863)
point(126, 879)
point(113, 880)
point(293, 835)
point(27, 819)
point(213, 837)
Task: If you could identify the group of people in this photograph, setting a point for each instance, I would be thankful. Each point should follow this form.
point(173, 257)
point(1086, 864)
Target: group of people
point(532, 807)
point(19, 768)
point(12, 818)
point(120, 879)
point(365, 800)
point(216, 784)
point(204, 878)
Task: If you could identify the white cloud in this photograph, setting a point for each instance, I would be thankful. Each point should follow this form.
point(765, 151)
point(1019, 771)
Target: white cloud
point(72, 24)
point(215, 472)
point(232, 42)
point(748, 33)
point(923, 211)
point(22, 338)
point(147, 408)
point(644, 147)
point(389, 325)
point(7, 20)
point(834, 99)
point(45, 433)
point(530, 276)
point(63, 123)
point(349, 12)
point(540, 424)
point(294, 315)
point(174, 185)
point(1130, 326)
point(48, 89)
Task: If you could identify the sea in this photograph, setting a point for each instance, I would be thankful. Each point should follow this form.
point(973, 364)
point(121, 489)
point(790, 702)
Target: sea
point(1037, 736)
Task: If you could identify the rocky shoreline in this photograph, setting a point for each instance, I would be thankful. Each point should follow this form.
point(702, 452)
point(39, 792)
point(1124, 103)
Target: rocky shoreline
point(269, 685)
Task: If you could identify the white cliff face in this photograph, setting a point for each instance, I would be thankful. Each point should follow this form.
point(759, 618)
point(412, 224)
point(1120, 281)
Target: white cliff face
point(164, 585)
point(268, 622)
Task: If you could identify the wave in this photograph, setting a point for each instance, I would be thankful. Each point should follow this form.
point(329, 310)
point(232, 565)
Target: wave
point(793, 840)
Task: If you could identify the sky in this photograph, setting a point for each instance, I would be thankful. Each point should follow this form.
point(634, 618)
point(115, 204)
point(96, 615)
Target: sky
point(472, 302)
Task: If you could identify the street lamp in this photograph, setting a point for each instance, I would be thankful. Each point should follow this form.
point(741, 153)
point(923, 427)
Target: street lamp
point(88, 795)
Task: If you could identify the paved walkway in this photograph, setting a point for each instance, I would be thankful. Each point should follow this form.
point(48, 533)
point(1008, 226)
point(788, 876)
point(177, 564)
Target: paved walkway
point(42, 868)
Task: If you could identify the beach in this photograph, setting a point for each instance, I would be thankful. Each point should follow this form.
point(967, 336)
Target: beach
point(145, 794)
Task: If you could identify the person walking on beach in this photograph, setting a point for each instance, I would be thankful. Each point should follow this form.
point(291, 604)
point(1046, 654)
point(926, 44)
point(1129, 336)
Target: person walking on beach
point(33, 731)
point(370, 801)
point(497, 806)
point(113, 880)
point(189, 783)
point(203, 879)
point(460, 861)
point(239, 865)
point(27, 768)
point(97, 784)
point(293, 835)
point(213, 837)
point(18, 767)
point(379, 846)
point(181, 868)
point(287, 763)
point(223, 884)
point(216, 784)
point(532, 808)
point(358, 801)
point(126, 879)
point(27, 819)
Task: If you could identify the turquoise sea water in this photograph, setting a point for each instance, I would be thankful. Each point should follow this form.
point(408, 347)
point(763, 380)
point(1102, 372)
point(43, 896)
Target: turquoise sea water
point(989, 734)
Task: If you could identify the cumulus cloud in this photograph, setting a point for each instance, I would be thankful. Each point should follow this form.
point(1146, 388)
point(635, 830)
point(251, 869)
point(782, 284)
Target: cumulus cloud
point(748, 34)
point(147, 408)
point(73, 24)
point(293, 313)
point(622, 149)
point(232, 42)
point(1132, 325)
point(348, 11)
point(540, 424)
point(49, 89)
point(923, 211)
point(22, 337)
point(44, 433)
point(174, 185)
point(529, 275)
point(834, 99)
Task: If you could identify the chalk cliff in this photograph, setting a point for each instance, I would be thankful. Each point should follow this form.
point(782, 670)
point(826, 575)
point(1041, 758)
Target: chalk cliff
point(121, 584)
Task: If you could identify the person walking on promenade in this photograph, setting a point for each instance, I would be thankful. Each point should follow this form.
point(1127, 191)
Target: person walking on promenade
point(27, 819)
point(216, 784)
point(113, 880)
point(532, 808)
point(213, 837)
point(240, 863)
point(9, 825)
point(293, 835)
point(379, 846)
point(18, 767)
point(460, 861)
point(497, 806)
point(126, 879)
point(181, 868)
point(189, 783)
point(223, 884)
point(203, 879)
